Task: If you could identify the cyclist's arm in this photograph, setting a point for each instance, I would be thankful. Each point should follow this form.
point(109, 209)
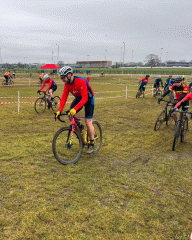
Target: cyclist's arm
point(42, 86)
point(186, 98)
point(50, 83)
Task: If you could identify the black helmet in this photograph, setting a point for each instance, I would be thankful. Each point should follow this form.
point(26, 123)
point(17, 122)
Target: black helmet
point(178, 79)
point(147, 76)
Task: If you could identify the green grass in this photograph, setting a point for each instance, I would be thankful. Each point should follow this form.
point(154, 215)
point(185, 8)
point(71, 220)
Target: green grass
point(135, 187)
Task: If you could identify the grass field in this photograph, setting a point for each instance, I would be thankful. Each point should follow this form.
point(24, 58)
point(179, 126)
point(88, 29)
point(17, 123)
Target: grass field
point(135, 187)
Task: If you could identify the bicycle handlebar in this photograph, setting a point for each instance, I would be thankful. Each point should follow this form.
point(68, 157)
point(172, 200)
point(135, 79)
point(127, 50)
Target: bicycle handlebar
point(62, 114)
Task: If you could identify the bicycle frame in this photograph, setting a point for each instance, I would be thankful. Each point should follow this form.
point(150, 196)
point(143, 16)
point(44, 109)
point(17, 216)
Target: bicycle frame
point(74, 126)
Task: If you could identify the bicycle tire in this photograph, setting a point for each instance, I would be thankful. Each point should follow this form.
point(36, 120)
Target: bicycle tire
point(40, 105)
point(184, 128)
point(56, 103)
point(177, 134)
point(138, 94)
point(97, 136)
point(11, 83)
point(4, 82)
point(64, 151)
point(160, 120)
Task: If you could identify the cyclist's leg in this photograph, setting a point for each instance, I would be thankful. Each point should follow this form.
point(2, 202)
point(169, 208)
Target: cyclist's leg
point(89, 110)
point(143, 88)
point(154, 88)
point(50, 95)
point(7, 79)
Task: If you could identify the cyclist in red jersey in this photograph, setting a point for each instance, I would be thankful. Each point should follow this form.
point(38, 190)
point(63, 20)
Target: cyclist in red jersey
point(84, 96)
point(184, 100)
point(41, 77)
point(143, 83)
point(51, 88)
point(180, 90)
point(7, 75)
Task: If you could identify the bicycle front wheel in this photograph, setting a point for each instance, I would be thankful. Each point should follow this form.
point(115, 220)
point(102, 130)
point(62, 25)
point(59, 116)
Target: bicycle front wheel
point(11, 83)
point(40, 105)
point(177, 134)
point(160, 120)
point(138, 94)
point(97, 136)
point(67, 147)
point(184, 128)
point(55, 103)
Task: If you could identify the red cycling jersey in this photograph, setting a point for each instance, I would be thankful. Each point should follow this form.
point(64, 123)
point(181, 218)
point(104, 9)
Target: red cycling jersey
point(7, 74)
point(186, 98)
point(41, 76)
point(144, 80)
point(79, 88)
point(49, 81)
point(179, 90)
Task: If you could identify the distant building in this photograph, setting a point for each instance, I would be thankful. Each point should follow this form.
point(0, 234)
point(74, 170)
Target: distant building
point(178, 64)
point(94, 64)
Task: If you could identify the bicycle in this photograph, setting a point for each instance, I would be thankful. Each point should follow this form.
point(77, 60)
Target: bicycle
point(68, 142)
point(165, 115)
point(9, 82)
point(157, 92)
point(42, 102)
point(181, 127)
point(140, 91)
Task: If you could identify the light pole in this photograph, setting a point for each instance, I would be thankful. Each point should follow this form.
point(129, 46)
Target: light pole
point(166, 57)
point(52, 57)
point(161, 53)
point(105, 54)
point(57, 54)
point(123, 54)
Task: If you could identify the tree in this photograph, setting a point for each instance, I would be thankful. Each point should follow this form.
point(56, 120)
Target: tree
point(152, 60)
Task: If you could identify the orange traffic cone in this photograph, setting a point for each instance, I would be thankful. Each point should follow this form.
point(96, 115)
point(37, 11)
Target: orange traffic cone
point(190, 237)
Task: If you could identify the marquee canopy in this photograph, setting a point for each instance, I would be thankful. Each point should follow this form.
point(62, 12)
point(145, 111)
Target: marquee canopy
point(50, 66)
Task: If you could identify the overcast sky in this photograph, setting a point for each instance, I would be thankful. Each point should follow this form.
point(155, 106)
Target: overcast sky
point(92, 30)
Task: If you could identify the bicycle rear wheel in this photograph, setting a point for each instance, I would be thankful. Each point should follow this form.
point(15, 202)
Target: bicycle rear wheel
point(40, 105)
point(160, 120)
point(4, 82)
point(67, 147)
point(97, 136)
point(184, 128)
point(177, 134)
point(55, 103)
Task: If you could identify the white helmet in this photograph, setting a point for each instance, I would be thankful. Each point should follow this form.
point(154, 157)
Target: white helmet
point(159, 76)
point(46, 76)
point(65, 70)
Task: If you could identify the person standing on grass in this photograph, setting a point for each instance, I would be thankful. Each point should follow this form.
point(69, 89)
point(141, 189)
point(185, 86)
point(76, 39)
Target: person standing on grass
point(51, 88)
point(143, 83)
point(84, 96)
